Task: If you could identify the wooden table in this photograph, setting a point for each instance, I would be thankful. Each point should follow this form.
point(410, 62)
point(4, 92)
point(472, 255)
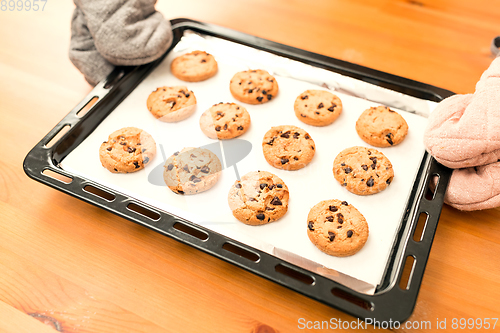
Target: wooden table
point(64, 262)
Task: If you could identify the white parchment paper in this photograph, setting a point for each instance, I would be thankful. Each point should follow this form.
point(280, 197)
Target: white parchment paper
point(286, 238)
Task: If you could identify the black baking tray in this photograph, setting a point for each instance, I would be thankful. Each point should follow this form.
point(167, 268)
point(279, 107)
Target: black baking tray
point(390, 302)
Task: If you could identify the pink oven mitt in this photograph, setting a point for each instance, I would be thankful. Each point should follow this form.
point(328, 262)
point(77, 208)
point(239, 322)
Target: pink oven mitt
point(463, 133)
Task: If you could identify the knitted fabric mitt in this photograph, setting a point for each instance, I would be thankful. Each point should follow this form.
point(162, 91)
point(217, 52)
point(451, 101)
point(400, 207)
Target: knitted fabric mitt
point(464, 133)
point(105, 33)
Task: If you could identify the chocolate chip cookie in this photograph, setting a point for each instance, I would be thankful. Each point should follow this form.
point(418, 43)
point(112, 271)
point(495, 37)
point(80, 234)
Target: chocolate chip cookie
point(381, 127)
point(259, 198)
point(171, 104)
point(192, 170)
point(288, 147)
point(363, 171)
point(337, 228)
point(253, 86)
point(317, 107)
point(127, 150)
point(195, 66)
point(225, 121)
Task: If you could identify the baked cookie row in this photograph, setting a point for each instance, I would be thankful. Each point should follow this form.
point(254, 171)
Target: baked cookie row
point(333, 226)
point(377, 126)
point(259, 197)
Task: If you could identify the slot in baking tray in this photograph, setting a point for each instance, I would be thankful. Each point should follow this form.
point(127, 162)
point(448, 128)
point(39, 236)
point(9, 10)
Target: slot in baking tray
point(389, 300)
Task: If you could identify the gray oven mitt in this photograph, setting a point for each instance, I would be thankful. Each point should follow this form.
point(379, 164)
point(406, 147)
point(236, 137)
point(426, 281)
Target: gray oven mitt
point(105, 33)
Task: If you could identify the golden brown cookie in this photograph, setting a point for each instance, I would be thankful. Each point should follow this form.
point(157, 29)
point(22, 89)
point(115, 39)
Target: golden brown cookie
point(253, 86)
point(195, 66)
point(127, 150)
point(317, 107)
point(288, 147)
point(363, 171)
point(225, 121)
point(337, 228)
point(259, 198)
point(171, 104)
point(192, 170)
point(381, 127)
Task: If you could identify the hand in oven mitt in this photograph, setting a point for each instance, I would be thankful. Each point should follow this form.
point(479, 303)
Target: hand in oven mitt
point(464, 133)
point(105, 33)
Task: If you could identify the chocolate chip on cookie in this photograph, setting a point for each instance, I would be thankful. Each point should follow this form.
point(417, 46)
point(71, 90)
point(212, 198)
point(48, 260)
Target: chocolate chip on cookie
point(362, 170)
point(381, 127)
point(341, 235)
point(317, 107)
point(171, 104)
point(253, 86)
point(225, 121)
point(195, 66)
point(256, 199)
point(288, 147)
point(192, 170)
point(120, 154)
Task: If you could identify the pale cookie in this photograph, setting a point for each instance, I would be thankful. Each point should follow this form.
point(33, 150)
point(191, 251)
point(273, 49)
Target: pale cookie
point(192, 170)
point(127, 150)
point(317, 107)
point(171, 104)
point(363, 171)
point(253, 86)
point(381, 127)
point(288, 147)
point(195, 66)
point(337, 228)
point(259, 198)
point(225, 121)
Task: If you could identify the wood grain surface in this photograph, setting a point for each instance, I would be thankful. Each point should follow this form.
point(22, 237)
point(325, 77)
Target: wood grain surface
point(71, 267)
